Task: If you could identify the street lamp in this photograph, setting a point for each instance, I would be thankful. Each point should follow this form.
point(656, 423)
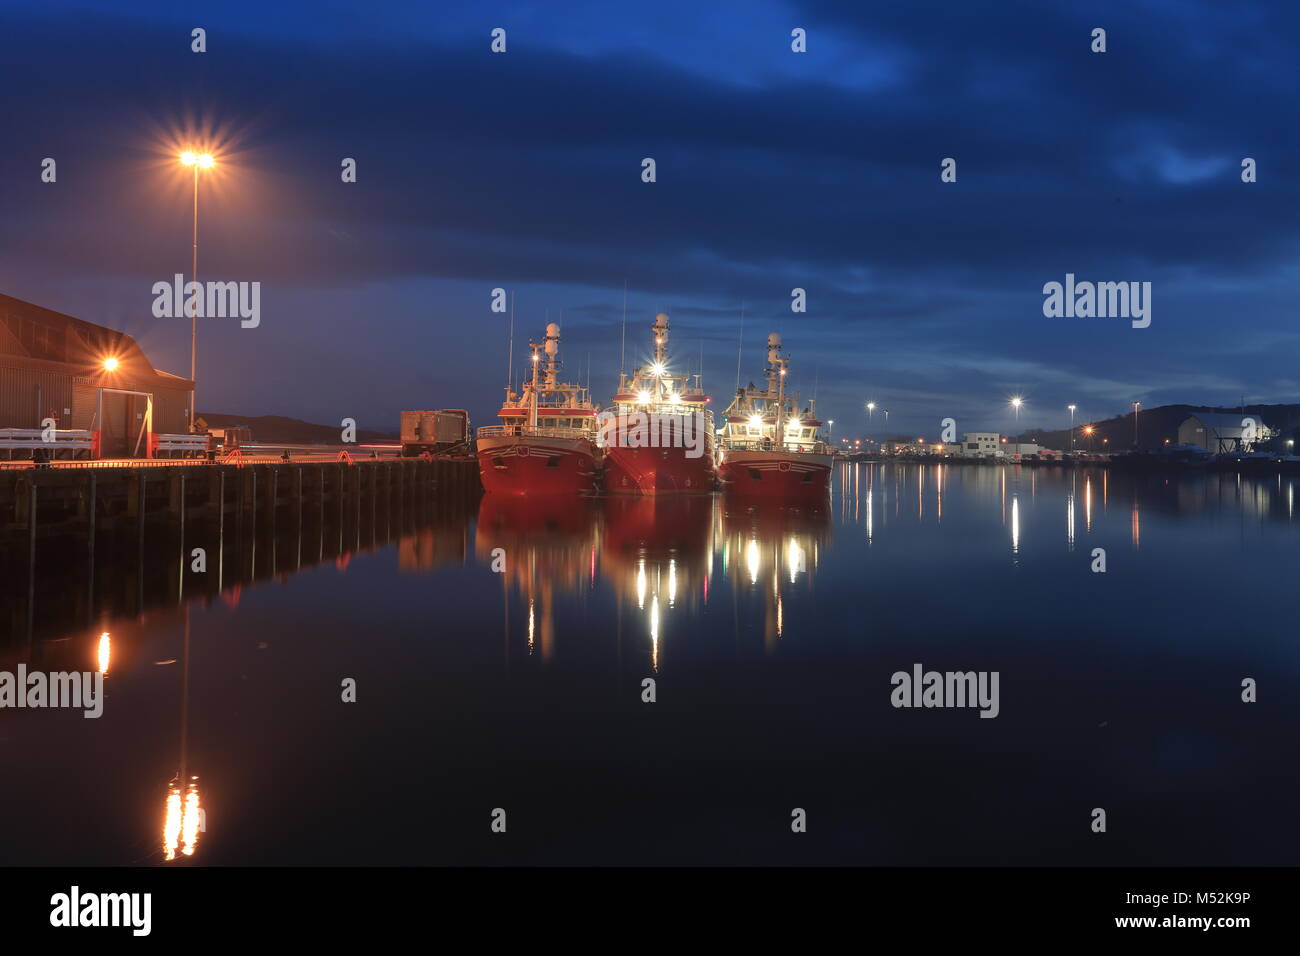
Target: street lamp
point(110, 364)
point(1135, 423)
point(197, 161)
point(1072, 408)
point(1016, 402)
point(830, 435)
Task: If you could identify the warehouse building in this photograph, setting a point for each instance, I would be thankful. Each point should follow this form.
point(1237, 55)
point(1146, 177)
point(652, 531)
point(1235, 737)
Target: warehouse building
point(84, 376)
point(1224, 432)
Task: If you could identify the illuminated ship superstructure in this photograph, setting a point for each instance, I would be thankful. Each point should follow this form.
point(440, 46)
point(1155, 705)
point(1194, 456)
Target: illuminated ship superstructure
point(771, 448)
point(660, 438)
point(547, 440)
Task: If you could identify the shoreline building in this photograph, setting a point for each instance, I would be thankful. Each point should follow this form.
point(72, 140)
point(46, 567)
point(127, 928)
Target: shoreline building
point(87, 377)
point(1224, 432)
point(977, 445)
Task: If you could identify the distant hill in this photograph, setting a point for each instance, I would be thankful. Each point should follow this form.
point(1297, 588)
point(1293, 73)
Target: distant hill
point(1154, 426)
point(276, 429)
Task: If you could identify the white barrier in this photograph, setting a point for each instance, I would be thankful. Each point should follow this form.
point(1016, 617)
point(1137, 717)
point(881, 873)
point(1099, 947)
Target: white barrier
point(177, 446)
point(71, 442)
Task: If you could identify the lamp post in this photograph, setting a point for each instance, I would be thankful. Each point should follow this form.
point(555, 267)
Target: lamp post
point(1072, 408)
point(1016, 402)
point(196, 161)
point(830, 435)
point(1135, 424)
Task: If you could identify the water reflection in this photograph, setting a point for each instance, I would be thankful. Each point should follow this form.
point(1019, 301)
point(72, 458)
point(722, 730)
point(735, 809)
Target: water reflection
point(503, 636)
point(657, 555)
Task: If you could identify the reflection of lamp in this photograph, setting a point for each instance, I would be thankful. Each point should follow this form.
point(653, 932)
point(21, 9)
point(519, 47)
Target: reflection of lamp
point(183, 815)
point(181, 826)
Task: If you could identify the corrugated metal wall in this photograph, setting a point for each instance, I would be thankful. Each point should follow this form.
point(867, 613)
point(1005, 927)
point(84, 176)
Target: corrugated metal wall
point(170, 415)
point(18, 397)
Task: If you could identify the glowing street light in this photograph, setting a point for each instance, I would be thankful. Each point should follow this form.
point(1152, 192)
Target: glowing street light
point(110, 364)
point(1016, 402)
point(1072, 408)
point(197, 161)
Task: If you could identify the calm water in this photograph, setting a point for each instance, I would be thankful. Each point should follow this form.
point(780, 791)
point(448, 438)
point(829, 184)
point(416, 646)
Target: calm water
point(771, 635)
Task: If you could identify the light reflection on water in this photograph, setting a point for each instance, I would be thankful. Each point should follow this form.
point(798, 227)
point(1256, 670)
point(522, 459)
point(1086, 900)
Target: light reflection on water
point(771, 633)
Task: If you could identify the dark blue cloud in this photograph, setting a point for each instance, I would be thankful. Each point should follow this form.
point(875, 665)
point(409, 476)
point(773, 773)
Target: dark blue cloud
point(776, 170)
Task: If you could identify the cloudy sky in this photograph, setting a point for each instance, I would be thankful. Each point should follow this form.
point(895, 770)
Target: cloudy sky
point(776, 170)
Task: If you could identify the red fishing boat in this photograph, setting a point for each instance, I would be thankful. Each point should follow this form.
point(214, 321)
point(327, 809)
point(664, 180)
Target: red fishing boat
point(658, 439)
point(769, 447)
point(546, 443)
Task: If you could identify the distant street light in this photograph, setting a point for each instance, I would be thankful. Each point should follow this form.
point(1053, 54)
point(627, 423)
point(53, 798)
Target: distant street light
point(1072, 408)
point(197, 161)
point(830, 435)
point(1016, 402)
point(1135, 423)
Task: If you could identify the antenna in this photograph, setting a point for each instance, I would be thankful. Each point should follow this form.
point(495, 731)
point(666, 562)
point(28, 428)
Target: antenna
point(742, 343)
point(622, 348)
point(510, 360)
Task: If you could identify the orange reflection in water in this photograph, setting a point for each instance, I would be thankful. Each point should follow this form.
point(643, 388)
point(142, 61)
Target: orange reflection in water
point(182, 820)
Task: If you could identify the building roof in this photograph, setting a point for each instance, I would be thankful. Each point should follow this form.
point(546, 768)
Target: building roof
point(37, 338)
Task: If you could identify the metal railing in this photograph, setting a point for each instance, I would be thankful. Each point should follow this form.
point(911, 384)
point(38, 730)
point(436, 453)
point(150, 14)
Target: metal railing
point(533, 431)
point(177, 446)
point(74, 441)
point(760, 444)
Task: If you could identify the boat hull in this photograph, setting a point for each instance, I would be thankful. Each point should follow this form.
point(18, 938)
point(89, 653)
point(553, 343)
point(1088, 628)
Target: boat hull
point(657, 471)
point(776, 474)
point(529, 465)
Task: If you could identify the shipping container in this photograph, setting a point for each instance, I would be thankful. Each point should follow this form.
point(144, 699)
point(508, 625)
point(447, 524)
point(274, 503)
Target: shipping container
point(434, 431)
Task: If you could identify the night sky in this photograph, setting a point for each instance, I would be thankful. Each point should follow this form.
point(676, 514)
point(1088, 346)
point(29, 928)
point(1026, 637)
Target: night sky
point(775, 170)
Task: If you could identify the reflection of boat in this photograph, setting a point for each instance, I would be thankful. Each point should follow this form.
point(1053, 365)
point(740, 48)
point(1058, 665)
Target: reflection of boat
point(661, 439)
point(769, 448)
point(767, 536)
point(540, 546)
point(677, 528)
point(546, 442)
